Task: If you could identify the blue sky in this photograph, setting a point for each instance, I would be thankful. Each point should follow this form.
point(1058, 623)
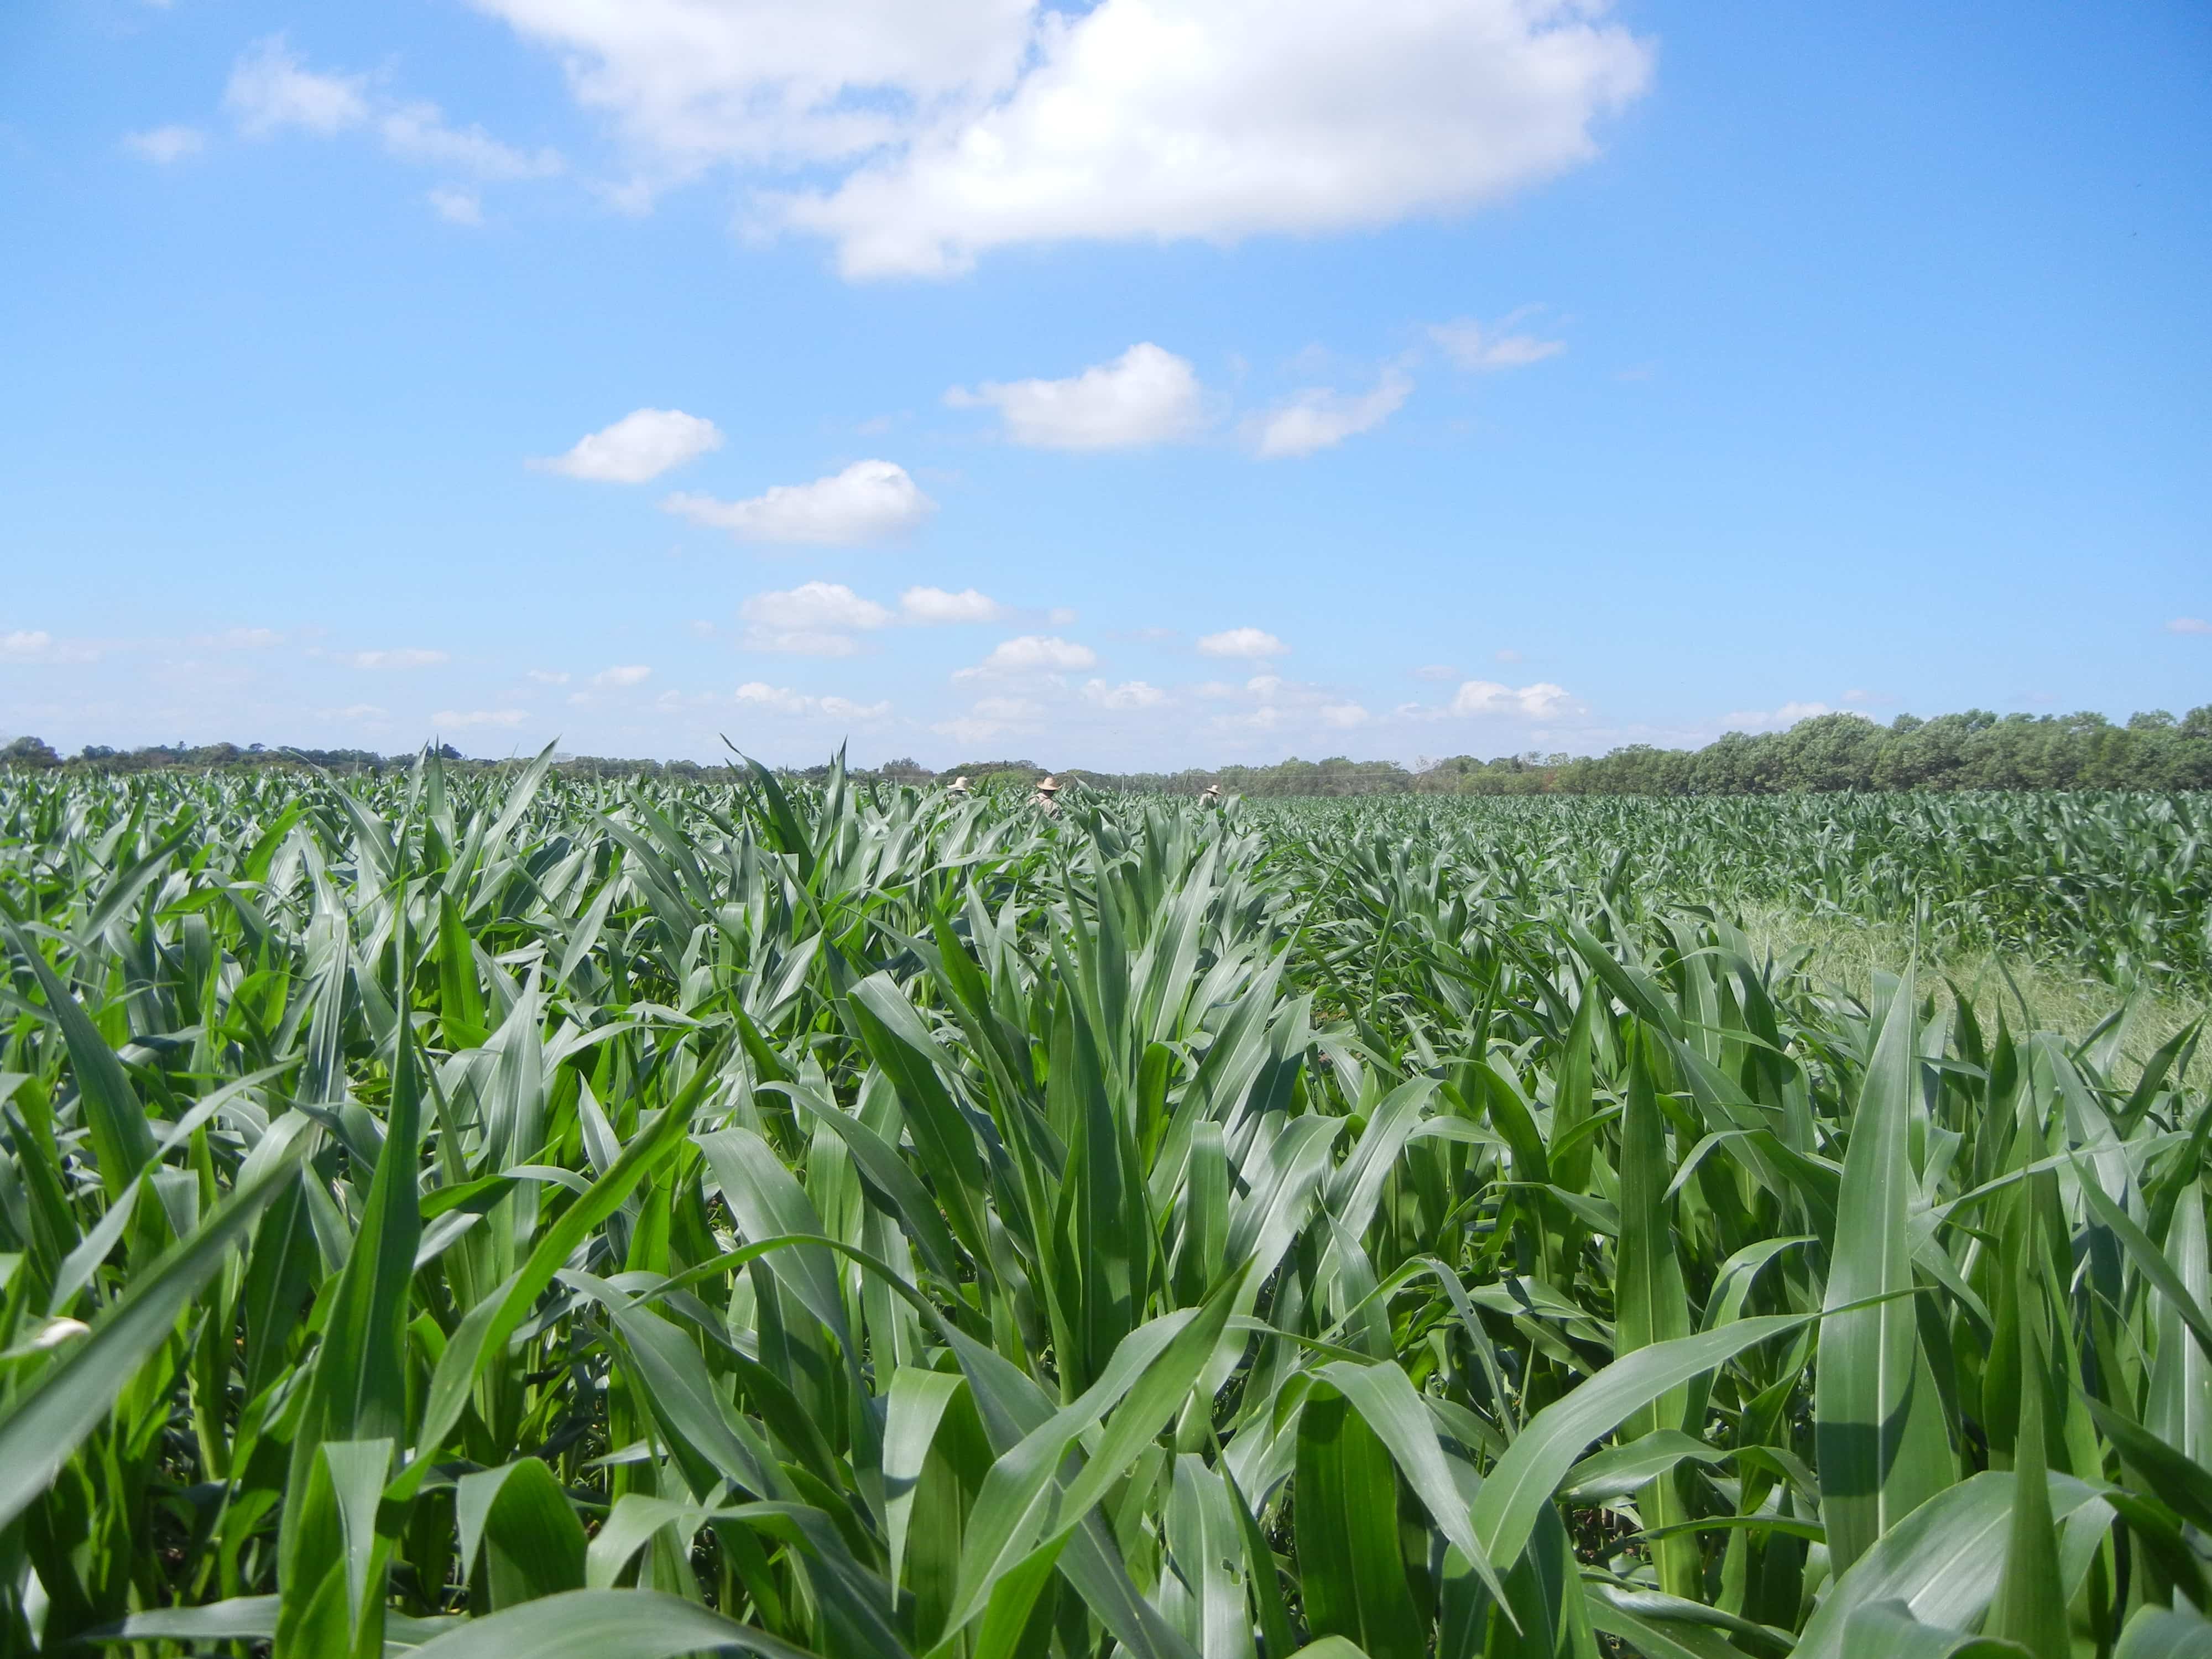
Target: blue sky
point(1147, 383)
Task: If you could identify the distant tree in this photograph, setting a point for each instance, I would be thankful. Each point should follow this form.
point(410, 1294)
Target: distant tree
point(31, 754)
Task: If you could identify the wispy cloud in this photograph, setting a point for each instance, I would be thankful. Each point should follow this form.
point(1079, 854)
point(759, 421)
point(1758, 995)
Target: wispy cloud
point(164, 146)
point(403, 657)
point(1318, 418)
point(1471, 346)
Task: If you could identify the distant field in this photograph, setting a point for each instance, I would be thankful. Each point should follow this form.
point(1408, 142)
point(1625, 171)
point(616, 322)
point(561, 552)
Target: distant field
point(509, 1214)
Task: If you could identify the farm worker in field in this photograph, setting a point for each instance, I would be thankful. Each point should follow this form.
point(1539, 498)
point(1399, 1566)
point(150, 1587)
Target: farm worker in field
point(958, 786)
point(1046, 792)
point(1210, 796)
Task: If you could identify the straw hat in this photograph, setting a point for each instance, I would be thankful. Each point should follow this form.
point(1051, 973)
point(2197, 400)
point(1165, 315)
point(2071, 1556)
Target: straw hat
point(958, 786)
point(1211, 792)
point(1048, 788)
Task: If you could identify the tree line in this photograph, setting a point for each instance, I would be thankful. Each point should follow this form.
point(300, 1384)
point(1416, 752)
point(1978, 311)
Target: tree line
point(1976, 749)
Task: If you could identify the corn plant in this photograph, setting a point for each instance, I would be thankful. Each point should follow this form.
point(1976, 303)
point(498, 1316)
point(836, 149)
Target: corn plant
point(517, 1215)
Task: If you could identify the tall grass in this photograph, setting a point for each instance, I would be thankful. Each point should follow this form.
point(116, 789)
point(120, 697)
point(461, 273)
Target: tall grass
point(553, 1218)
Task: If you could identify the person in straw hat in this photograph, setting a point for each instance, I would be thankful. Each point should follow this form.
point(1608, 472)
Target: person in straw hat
point(1048, 792)
point(1210, 796)
point(958, 786)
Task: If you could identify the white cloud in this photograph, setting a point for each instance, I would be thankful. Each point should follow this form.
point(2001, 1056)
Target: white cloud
point(454, 719)
point(695, 82)
point(814, 604)
point(25, 644)
point(163, 145)
point(36, 644)
point(2189, 625)
point(1318, 419)
point(1774, 720)
point(627, 674)
point(641, 446)
point(457, 207)
point(1216, 119)
point(782, 700)
point(417, 132)
point(270, 89)
point(1130, 694)
point(931, 606)
point(238, 639)
point(1470, 346)
point(1146, 395)
point(800, 642)
point(1342, 716)
point(1063, 616)
point(1539, 701)
point(814, 619)
point(1508, 655)
point(961, 129)
point(407, 657)
point(868, 501)
point(1249, 642)
point(988, 717)
point(1032, 654)
point(548, 677)
point(1008, 711)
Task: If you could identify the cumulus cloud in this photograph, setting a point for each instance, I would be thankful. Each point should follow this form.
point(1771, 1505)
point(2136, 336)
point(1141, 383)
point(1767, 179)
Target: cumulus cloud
point(932, 606)
point(1539, 701)
point(1472, 347)
point(1320, 419)
point(1247, 642)
point(814, 604)
point(641, 447)
point(1146, 395)
point(782, 700)
point(988, 717)
point(950, 131)
point(814, 619)
point(2189, 625)
point(1130, 694)
point(868, 501)
point(1773, 720)
point(1033, 654)
point(1342, 716)
point(627, 674)
point(453, 719)
point(1156, 120)
point(405, 656)
point(164, 145)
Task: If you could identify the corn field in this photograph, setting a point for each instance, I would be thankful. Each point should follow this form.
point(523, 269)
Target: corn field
point(508, 1215)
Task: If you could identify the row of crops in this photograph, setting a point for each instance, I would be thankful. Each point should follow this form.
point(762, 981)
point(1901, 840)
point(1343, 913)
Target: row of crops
point(509, 1216)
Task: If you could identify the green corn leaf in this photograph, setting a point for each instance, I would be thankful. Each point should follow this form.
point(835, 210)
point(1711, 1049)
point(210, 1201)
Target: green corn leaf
point(41, 1427)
